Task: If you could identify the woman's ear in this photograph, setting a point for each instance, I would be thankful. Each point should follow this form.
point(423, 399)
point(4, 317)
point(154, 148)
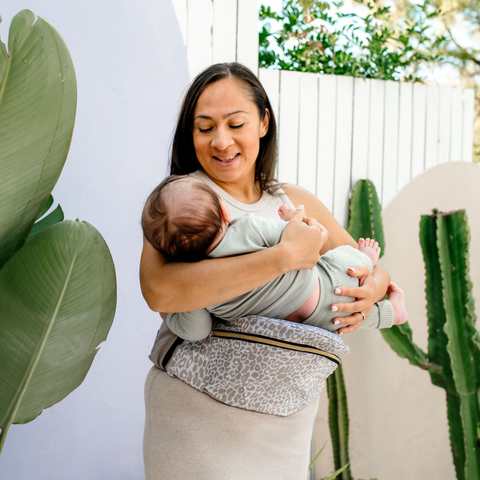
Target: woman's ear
point(225, 212)
point(264, 123)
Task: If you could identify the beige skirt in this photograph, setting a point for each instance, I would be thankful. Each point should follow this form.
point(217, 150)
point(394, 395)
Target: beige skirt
point(188, 435)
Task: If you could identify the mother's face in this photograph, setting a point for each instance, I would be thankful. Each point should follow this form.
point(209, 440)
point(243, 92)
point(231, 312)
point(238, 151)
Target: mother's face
point(227, 131)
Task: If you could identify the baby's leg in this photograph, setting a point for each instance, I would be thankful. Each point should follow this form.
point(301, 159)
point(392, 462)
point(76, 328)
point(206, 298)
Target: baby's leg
point(397, 299)
point(286, 213)
point(370, 248)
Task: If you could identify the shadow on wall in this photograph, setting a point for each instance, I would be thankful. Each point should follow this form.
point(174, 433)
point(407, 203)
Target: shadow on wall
point(398, 419)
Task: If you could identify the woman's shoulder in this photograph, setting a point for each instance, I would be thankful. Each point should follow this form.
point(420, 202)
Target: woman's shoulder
point(298, 195)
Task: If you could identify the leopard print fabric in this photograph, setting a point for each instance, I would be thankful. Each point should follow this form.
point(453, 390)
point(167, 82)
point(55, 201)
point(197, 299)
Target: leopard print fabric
point(259, 377)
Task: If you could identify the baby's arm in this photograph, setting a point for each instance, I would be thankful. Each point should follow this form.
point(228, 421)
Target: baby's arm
point(192, 326)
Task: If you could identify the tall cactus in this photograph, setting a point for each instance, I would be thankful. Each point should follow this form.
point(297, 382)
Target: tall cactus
point(338, 421)
point(453, 358)
point(365, 217)
point(365, 221)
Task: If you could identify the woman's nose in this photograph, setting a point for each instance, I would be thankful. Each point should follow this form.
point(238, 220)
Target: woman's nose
point(222, 139)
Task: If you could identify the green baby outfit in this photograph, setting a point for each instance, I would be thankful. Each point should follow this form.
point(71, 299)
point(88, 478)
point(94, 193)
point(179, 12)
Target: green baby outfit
point(283, 295)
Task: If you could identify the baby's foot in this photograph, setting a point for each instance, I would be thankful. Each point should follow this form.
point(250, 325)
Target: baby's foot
point(370, 248)
point(397, 299)
point(286, 213)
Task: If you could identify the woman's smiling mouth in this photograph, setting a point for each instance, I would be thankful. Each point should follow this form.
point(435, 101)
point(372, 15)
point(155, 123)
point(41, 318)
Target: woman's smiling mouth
point(229, 159)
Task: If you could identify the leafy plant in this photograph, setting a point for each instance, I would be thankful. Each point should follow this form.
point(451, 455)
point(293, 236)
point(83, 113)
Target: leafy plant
point(57, 278)
point(319, 36)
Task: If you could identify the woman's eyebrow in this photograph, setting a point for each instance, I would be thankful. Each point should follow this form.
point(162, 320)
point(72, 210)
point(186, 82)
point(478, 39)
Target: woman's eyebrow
point(225, 116)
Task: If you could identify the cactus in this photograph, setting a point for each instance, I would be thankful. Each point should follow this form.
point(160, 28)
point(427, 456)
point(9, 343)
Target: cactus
point(365, 217)
point(365, 221)
point(453, 358)
point(338, 421)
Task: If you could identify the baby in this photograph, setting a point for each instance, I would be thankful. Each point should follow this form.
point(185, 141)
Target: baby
point(187, 221)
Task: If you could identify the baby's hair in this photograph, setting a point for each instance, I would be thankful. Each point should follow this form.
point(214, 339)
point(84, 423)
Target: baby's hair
point(185, 233)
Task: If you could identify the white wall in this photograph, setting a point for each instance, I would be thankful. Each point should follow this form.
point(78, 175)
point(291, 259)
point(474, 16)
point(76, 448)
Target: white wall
point(131, 70)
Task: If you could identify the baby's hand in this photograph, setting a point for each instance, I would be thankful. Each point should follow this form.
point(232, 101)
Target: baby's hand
point(286, 213)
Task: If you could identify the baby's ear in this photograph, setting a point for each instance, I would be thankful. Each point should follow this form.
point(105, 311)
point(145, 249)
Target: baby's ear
point(225, 212)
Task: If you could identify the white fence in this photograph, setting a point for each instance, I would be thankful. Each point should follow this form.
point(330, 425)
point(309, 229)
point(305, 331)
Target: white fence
point(334, 130)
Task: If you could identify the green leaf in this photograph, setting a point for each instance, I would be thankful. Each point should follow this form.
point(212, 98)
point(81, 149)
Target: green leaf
point(45, 208)
point(37, 110)
point(337, 472)
point(51, 219)
point(316, 456)
point(57, 303)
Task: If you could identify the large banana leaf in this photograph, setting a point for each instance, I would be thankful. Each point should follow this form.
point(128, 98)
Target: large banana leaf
point(38, 94)
point(57, 303)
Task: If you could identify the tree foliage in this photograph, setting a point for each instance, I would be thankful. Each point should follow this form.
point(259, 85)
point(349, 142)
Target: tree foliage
point(319, 36)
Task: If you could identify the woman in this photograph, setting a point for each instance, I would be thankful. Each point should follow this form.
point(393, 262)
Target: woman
point(226, 136)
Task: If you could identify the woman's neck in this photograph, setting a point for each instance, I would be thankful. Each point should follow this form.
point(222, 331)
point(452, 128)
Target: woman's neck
point(245, 192)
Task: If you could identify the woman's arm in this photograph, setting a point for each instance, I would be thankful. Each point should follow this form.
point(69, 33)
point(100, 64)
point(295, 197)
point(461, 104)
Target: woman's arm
point(372, 287)
point(179, 287)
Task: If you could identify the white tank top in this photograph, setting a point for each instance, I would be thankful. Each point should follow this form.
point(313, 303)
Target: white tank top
point(266, 207)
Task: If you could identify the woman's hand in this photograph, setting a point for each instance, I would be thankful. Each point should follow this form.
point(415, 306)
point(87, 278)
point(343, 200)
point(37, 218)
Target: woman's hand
point(302, 240)
point(365, 295)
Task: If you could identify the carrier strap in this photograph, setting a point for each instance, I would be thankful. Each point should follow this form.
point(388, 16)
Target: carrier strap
point(248, 337)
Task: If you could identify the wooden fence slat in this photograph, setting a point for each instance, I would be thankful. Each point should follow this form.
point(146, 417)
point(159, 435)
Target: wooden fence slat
point(376, 135)
point(247, 34)
point(418, 129)
point(288, 139)
point(307, 136)
point(468, 119)
point(199, 36)
point(327, 115)
point(431, 127)
point(343, 149)
point(224, 34)
point(444, 111)
point(456, 125)
point(271, 82)
point(361, 115)
point(390, 143)
point(404, 162)
point(180, 7)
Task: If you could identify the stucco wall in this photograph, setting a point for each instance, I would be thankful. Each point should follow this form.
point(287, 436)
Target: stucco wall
point(398, 420)
point(131, 70)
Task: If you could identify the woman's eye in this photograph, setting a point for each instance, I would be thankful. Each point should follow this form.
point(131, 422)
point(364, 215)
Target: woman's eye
point(237, 126)
point(204, 130)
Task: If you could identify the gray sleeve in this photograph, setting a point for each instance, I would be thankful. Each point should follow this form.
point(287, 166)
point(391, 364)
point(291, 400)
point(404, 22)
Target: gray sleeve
point(193, 326)
point(248, 234)
point(381, 316)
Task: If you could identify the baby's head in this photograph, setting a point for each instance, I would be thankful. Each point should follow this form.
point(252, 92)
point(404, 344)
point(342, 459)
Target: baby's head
point(182, 217)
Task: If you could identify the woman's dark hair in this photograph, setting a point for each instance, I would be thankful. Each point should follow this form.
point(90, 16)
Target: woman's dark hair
point(183, 157)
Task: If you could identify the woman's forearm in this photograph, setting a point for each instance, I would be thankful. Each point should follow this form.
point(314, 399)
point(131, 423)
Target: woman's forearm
point(180, 287)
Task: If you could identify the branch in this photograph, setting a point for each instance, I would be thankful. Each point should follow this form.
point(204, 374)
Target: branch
point(462, 49)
